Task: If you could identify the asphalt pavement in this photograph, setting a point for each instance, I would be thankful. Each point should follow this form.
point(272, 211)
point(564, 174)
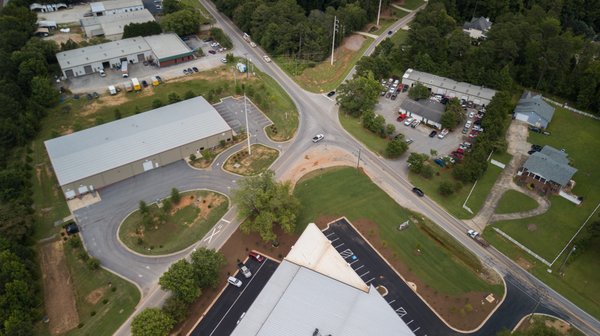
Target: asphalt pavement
point(225, 314)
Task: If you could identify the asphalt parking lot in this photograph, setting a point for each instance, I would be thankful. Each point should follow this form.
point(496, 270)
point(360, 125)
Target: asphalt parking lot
point(223, 316)
point(232, 110)
point(422, 142)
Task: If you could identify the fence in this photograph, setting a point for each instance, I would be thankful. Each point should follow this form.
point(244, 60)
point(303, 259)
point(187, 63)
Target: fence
point(564, 105)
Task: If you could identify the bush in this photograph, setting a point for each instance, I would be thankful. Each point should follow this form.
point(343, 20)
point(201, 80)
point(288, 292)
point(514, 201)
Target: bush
point(173, 98)
point(75, 242)
point(175, 196)
point(167, 206)
point(446, 188)
point(93, 263)
point(156, 103)
point(189, 95)
point(193, 158)
point(83, 255)
point(427, 171)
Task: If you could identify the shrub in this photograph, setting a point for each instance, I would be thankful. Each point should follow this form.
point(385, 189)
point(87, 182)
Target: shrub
point(175, 196)
point(427, 171)
point(75, 242)
point(93, 263)
point(446, 188)
point(156, 103)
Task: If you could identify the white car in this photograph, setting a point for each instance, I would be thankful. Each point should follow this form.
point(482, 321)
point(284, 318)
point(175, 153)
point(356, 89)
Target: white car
point(224, 60)
point(267, 59)
point(234, 281)
point(472, 233)
point(471, 115)
point(408, 121)
point(318, 138)
point(253, 45)
point(468, 124)
point(443, 133)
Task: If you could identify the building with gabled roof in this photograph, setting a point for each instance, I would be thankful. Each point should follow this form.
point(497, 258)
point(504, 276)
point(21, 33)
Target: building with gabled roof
point(99, 156)
point(547, 171)
point(533, 110)
point(477, 27)
point(479, 95)
point(315, 292)
point(112, 26)
point(427, 111)
point(112, 7)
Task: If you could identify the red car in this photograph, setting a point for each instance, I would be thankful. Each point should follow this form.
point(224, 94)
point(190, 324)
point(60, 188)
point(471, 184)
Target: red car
point(256, 256)
point(402, 117)
point(473, 134)
point(460, 150)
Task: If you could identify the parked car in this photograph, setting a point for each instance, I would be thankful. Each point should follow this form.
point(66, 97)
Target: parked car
point(256, 256)
point(185, 72)
point(409, 141)
point(102, 73)
point(432, 134)
point(468, 124)
point(234, 281)
point(471, 115)
point(330, 93)
point(418, 192)
point(159, 79)
point(195, 69)
point(190, 70)
point(408, 121)
point(415, 123)
point(443, 133)
point(318, 138)
point(71, 228)
point(402, 116)
point(144, 83)
point(536, 148)
point(245, 270)
point(473, 134)
point(465, 130)
point(223, 60)
point(212, 52)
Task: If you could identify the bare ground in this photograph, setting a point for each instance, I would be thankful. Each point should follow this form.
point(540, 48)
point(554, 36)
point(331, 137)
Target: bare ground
point(59, 297)
point(244, 161)
point(353, 42)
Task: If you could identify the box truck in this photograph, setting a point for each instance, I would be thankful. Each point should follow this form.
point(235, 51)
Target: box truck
point(124, 70)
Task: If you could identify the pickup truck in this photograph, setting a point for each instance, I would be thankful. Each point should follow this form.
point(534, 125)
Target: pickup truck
point(245, 271)
point(476, 237)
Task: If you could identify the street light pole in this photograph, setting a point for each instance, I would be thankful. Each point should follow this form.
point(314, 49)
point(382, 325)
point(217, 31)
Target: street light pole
point(358, 161)
point(378, 13)
point(247, 126)
point(567, 258)
point(335, 28)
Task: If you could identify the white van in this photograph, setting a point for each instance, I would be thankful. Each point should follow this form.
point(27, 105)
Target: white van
point(112, 90)
point(102, 73)
point(234, 281)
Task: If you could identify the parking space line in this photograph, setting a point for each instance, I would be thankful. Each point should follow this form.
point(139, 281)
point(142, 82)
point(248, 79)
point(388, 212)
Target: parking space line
point(390, 303)
point(367, 282)
point(416, 329)
point(364, 274)
point(353, 262)
point(331, 234)
point(359, 267)
point(411, 321)
point(338, 245)
point(335, 239)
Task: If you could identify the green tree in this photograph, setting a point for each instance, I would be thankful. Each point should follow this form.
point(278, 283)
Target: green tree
point(152, 322)
point(42, 92)
point(263, 202)
point(396, 148)
point(416, 161)
point(181, 280)
point(172, 6)
point(176, 308)
point(418, 91)
point(426, 171)
point(446, 188)
point(183, 22)
point(221, 37)
point(390, 129)
point(358, 95)
point(207, 264)
point(141, 29)
point(143, 208)
point(175, 196)
point(448, 120)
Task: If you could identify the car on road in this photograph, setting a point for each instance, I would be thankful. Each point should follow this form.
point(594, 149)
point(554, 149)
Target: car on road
point(256, 256)
point(418, 192)
point(267, 59)
point(234, 281)
point(212, 52)
point(245, 270)
point(390, 32)
point(253, 45)
point(195, 69)
point(408, 121)
point(318, 138)
point(472, 233)
point(432, 134)
point(330, 93)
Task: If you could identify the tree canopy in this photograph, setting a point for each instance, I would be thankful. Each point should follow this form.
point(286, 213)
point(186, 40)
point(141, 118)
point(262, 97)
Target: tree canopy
point(263, 203)
point(182, 22)
point(181, 280)
point(152, 322)
point(141, 29)
point(358, 95)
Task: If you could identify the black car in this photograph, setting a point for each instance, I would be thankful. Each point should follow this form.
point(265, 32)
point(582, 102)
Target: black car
point(158, 79)
point(418, 192)
point(190, 70)
point(212, 52)
point(536, 148)
point(432, 134)
point(71, 228)
point(195, 69)
point(144, 83)
point(330, 93)
point(390, 32)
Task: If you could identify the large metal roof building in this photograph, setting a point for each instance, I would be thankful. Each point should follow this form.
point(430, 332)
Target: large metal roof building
point(314, 288)
point(105, 154)
point(112, 26)
point(449, 87)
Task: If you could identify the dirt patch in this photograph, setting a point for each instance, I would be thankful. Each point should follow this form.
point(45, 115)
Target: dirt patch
point(531, 227)
point(465, 311)
point(561, 326)
point(241, 163)
point(517, 138)
point(523, 263)
point(59, 297)
point(353, 42)
point(317, 160)
point(95, 296)
point(59, 38)
point(92, 108)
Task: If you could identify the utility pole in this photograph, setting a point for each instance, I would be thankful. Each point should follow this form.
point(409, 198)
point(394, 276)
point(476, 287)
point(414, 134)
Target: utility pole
point(247, 68)
point(358, 161)
point(335, 29)
point(567, 258)
point(378, 13)
point(247, 126)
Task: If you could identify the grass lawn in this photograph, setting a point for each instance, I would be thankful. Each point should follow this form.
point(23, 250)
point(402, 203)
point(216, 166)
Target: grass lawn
point(73, 115)
point(442, 267)
point(197, 212)
point(323, 77)
point(453, 203)
point(548, 233)
point(514, 201)
point(399, 37)
point(385, 22)
point(258, 162)
point(411, 4)
point(207, 18)
point(122, 297)
point(355, 128)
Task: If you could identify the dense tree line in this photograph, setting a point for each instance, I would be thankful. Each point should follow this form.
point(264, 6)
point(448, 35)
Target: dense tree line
point(141, 29)
point(298, 28)
point(542, 45)
point(25, 94)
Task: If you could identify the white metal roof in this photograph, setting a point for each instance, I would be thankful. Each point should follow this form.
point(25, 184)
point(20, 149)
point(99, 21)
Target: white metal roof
point(463, 88)
point(101, 148)
point(167, 48)
point(101, 52)
point(115, 24)
point(297, 300)
point(114, 4)
point(96, 7)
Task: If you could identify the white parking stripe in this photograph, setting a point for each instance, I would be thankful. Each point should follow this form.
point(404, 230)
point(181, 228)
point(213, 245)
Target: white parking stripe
point(331, 234)
point(335, 239)
point(411, 321)
point(367, 282)
point(391, 302)
point(338, 245)
point(353, 262)
point(364, 274)
point(359, 267)
point(416, 329)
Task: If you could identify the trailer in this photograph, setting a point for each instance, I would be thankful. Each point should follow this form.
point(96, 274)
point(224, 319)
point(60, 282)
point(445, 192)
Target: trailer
point(136, 84)
point(477, 237)
point(124, 69)
point(112, 90)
